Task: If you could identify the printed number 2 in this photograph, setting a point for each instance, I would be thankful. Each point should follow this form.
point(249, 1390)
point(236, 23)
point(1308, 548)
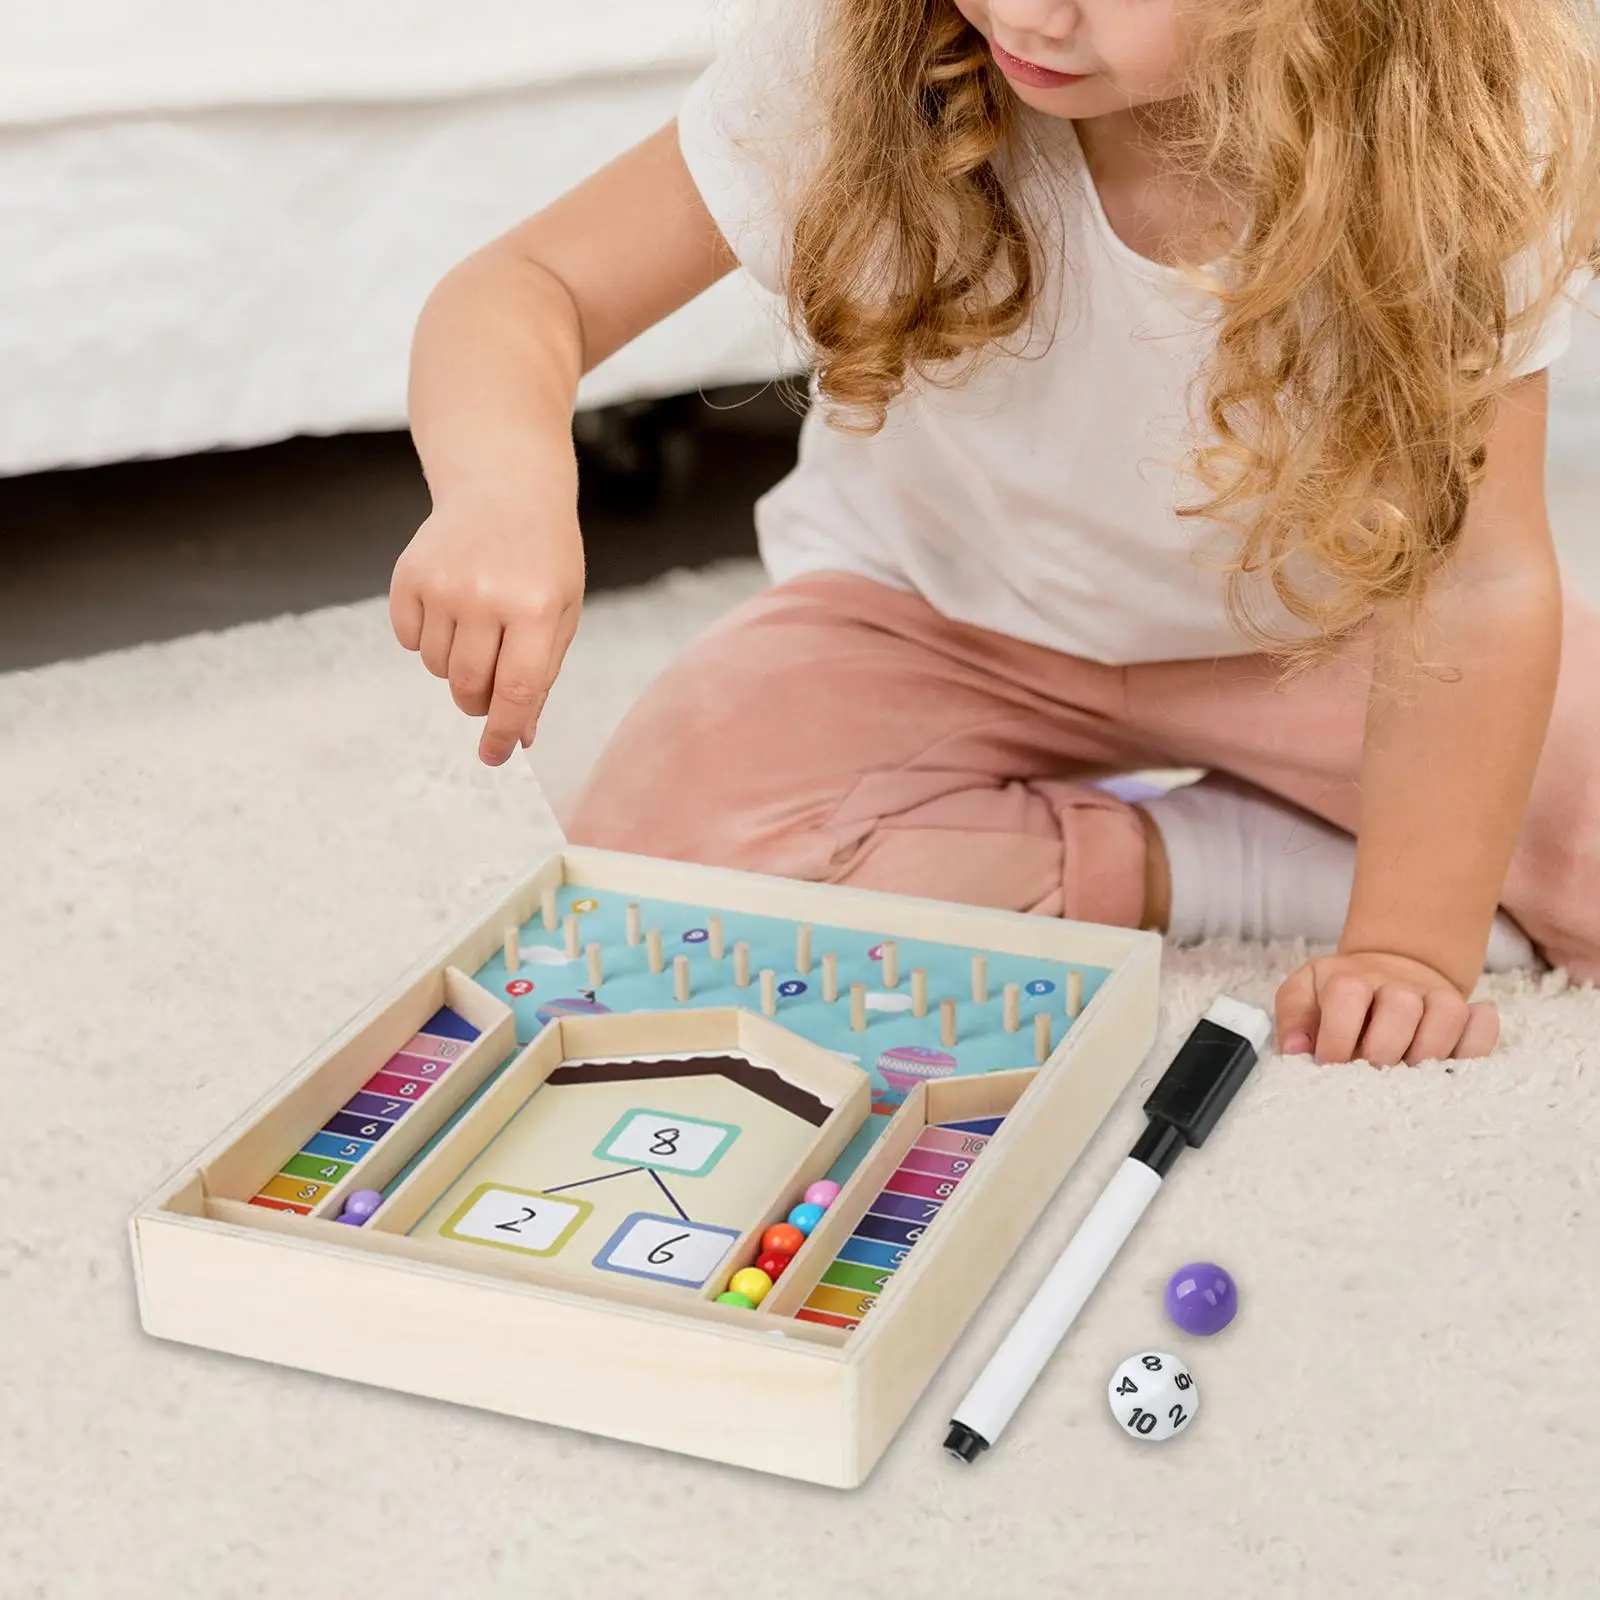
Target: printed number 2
point(663, 1251)
point(528, 1215)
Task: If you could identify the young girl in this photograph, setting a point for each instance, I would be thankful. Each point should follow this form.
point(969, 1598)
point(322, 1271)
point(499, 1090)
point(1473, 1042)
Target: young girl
point(1179, 401)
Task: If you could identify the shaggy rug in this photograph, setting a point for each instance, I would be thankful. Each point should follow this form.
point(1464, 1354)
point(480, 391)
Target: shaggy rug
point(216, 850)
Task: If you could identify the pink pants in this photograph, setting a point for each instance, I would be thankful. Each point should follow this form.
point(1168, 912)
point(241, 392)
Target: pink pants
point(836, 730)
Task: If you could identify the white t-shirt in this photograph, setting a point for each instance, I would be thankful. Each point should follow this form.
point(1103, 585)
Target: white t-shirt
point(1037, 499)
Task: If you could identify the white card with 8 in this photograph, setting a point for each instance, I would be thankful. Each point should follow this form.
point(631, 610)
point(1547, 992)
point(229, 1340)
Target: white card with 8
point(1153, 1396)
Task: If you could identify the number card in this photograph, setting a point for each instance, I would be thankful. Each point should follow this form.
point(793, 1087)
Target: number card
point(689, 1146)
point(666, 1249)
point(524, 1220)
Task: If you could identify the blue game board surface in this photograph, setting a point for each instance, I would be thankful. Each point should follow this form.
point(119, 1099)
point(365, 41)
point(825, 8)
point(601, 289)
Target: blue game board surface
point(895, 1049)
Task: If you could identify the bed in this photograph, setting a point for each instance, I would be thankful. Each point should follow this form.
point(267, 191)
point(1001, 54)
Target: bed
point(217, 222)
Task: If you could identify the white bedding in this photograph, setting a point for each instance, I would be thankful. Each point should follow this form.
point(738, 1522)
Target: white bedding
point(76, 58)
point(219, 221)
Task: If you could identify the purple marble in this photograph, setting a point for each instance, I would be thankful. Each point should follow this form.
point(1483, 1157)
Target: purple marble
point(360, 1204)
point(1201, 1298)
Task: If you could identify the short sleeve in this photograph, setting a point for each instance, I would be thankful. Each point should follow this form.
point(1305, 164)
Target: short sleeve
point(746, 126)
point(1534, 348)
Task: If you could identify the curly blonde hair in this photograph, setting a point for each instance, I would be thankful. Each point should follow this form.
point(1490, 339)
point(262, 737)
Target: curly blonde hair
point(1393, 158)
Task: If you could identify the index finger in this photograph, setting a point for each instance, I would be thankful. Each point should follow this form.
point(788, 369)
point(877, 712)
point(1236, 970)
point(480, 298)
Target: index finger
point(521, 682)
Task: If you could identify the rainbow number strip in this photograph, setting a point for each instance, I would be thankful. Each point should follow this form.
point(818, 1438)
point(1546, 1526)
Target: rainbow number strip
point(353, 1132)
point(912, 1198)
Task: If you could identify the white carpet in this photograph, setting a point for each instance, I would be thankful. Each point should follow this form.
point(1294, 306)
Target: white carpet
point(216, 850)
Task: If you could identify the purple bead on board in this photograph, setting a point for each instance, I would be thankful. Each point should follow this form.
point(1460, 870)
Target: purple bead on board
point(1201, 1298)
point(360, 1205)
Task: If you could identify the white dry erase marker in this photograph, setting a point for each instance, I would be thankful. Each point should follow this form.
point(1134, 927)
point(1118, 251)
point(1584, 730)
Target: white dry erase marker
point(1183, 1108)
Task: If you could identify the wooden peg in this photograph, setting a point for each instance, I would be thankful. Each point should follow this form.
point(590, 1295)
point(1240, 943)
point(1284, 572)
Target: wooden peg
point(741, 965)
point(891, 964)
point(1074, 991)
point(919, 992)
point(652, 945)
point(947, 1023)
point(513, 949)
point(714, 928)
point(802, 949)
point(597, 974)
point(547, 909)
point(1041, 1037)
point(769, 992)
point(680, 978)
point(858, 1007)
point(830, 977)
point(574, 946)
point(980, 980)
point(1013, 1007)
point(635, 927)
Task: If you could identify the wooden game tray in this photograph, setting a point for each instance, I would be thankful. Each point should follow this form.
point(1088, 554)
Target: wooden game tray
point(609, 1353)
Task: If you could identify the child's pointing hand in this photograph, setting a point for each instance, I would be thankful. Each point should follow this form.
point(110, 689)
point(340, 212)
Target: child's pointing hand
point(1381, 1008)
point(488, 593)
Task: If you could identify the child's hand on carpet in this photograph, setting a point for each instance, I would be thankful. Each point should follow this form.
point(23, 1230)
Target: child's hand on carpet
point(1381, 1008)
point(488, 592)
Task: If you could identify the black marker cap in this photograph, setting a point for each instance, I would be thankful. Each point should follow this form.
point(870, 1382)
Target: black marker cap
point(963, 1443)
point(1206, 1073)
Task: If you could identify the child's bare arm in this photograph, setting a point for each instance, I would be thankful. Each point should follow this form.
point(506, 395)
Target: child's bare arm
point(1445, 778)
point(489, 589)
